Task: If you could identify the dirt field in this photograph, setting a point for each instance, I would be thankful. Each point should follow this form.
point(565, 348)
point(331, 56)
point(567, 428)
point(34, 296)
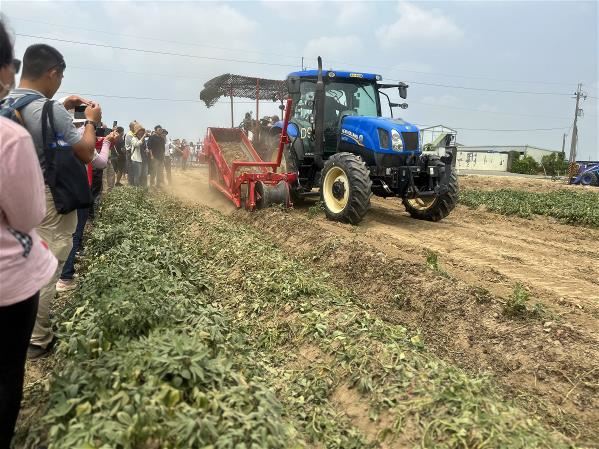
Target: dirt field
point(549, 364)
point(514, 182)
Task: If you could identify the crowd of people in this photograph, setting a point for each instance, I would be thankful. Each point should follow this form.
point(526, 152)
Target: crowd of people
point(54, 165)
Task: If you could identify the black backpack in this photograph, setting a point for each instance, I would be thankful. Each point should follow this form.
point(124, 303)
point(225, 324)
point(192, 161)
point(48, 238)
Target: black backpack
point(65, 175)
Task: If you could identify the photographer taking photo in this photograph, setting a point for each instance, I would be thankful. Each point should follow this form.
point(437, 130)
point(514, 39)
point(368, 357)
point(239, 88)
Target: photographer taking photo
point(56, 138)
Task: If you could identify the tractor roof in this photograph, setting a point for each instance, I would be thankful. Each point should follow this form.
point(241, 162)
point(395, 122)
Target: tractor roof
point(337, 74)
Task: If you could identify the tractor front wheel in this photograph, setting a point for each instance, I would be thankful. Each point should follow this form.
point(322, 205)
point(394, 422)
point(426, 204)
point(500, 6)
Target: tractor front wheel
point(434, 208)
point(345, 188)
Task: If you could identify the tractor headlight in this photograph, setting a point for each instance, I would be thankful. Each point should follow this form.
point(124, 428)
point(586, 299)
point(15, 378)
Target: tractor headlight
point(396, 143)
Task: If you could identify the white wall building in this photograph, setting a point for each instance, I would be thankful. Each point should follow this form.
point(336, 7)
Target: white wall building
point(481, 157)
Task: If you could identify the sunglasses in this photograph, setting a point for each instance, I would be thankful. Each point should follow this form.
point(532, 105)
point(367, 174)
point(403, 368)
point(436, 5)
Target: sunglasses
point(61, 65)
point(16, 63)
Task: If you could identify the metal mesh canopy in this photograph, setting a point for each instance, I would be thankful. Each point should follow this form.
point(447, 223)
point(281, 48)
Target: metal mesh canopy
point(229, 85)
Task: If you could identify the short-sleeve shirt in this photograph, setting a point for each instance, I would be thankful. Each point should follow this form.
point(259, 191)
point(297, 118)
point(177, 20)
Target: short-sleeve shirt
point(32, 118)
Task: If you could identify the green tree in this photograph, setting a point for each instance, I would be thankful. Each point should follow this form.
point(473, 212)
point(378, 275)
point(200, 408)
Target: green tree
point(554, 164)
point(525, 165)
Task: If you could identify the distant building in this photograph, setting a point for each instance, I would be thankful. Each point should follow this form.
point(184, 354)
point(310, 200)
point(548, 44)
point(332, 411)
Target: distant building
point(524, 150)
point(481, 157)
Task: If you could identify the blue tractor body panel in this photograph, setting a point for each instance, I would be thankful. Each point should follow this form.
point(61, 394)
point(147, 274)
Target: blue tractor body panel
point(364, 131)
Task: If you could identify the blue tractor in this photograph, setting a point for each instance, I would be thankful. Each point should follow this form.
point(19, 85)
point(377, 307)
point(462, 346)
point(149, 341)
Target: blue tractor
point(341, 144)
point(588, 176)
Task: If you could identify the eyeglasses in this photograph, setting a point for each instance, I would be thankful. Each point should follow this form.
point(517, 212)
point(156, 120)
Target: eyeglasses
point(16, 63)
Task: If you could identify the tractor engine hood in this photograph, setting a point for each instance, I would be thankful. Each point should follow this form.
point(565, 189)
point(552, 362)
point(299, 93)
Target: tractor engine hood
point(380, 134)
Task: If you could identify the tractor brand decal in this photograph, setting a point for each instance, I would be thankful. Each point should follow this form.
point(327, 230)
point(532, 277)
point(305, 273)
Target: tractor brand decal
point(356, 75)
point(305, 133)
point(353, 136)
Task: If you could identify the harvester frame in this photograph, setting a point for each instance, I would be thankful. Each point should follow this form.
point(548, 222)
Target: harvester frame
point(250, 190)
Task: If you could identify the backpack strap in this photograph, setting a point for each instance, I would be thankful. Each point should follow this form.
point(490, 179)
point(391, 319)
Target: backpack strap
point(25, 100)
point(48, 117)
point(22, 102)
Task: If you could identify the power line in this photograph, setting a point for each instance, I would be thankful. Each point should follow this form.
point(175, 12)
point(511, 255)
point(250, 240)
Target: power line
point(194, 44)
point(488, 112)
point(156, 52)
point(486, 89)
point(126, 97)
point(510, 130)
point(282, 55)
point(412, 102)
point(277, 65)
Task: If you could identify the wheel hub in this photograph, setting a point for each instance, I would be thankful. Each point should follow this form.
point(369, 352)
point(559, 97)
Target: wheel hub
point(338, 189)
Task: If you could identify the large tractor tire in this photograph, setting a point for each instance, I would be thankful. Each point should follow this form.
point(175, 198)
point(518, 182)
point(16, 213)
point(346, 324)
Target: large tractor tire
point(590, 179)
point(345, 188)
point(434, 208)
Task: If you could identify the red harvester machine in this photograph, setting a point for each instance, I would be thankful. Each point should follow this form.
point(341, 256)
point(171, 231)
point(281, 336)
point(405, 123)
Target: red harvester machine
point(246, 179)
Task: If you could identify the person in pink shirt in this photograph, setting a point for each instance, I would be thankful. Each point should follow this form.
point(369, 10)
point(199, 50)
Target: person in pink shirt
point(26, 263)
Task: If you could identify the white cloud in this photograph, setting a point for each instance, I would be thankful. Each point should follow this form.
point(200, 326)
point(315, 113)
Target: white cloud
point(296, 11)
point(441, 100)
point(352, 13)
point(333, 47)
point(419, 26)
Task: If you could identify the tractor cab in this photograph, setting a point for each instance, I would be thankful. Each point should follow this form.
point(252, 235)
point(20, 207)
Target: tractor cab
point(352, 118)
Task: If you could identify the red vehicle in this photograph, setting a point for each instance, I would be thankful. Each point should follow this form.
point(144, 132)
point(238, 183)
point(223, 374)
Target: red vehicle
point(239, 173)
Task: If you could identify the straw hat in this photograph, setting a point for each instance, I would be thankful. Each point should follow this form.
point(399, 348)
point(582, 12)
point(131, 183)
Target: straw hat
point(137, 128)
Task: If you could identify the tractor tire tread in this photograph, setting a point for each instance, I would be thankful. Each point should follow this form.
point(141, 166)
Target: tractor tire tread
point(442, 207)
point(360, 187)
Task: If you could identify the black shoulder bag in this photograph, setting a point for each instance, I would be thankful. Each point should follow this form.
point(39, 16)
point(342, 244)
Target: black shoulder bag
point(65, 175)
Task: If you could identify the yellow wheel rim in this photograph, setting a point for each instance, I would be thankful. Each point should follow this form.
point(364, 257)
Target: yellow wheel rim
point(421, 203)
point(336, 190)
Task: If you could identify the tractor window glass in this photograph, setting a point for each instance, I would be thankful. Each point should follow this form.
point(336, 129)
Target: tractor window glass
point(305, 100)
point(364, 100)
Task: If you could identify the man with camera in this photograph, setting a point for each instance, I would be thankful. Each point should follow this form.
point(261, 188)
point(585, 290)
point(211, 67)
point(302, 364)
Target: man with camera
point(57, 138)
point(156, 145)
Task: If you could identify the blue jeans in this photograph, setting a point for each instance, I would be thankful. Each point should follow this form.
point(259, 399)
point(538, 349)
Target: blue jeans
point(68, 270)
point(129, 170)
point(136, 173)
point(145, 170)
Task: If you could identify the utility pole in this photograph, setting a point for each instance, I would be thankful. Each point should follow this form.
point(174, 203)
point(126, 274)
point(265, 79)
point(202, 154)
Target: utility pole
point(564, 144)
point(577, 112)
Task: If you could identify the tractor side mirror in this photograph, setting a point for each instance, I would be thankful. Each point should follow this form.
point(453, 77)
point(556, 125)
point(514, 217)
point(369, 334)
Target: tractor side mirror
point(403, 90)
point(293, 85)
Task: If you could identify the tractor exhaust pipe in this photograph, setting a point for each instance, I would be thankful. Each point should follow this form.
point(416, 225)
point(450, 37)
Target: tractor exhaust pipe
point(319, 118)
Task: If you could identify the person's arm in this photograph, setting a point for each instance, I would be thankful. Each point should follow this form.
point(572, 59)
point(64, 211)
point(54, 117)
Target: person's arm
point(85, 148)
point(22, 195)
point(100, 160)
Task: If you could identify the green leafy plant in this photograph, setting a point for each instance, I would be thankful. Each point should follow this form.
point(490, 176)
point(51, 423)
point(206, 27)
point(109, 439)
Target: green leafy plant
point(517, 304)
point(315, 209)
point(214, 337)
point(569, 206)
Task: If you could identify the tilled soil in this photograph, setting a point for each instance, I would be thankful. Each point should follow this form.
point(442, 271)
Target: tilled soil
point(548, 363)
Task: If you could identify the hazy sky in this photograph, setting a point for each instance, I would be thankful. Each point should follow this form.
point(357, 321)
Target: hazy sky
point(450, 53)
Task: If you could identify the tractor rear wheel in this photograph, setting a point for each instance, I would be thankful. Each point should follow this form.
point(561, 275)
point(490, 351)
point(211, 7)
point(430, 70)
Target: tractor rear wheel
point(590, 179)
point(345, 188)
point(434, 208)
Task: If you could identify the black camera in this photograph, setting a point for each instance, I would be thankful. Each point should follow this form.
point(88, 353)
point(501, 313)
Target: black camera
point(79, 112)
point(102, 132)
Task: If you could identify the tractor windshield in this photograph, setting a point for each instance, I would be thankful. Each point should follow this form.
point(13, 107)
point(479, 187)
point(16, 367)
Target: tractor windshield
point(341, 97)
